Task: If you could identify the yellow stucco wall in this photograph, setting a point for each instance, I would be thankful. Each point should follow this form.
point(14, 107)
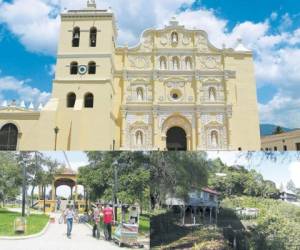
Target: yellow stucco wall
point(119, 115)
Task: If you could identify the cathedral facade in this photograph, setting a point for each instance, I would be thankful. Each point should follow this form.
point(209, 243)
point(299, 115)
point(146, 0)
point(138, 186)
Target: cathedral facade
point(173, 91)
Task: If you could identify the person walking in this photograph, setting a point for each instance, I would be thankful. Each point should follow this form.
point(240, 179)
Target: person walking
point(69, 214)
point(108, 217)
point(96, 219)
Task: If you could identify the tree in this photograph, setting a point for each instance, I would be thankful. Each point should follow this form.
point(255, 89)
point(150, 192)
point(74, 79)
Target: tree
point(176, 174)
point(132, 172)
point(291, 186)
point(278, 130)
point(10, 177)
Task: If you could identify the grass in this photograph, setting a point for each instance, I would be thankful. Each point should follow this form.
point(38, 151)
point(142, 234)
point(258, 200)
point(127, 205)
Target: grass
point(145, 224)
point(35, 223)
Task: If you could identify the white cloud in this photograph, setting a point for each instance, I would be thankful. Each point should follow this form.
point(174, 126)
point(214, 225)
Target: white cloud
point(30, 20)
point(24, 91)
point(274, 16)
point(283, 110)
point(286, 22)
point(294, 169)
point(51, 69)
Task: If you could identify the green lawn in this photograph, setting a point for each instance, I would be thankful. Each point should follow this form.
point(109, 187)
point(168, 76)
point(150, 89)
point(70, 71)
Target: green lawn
point(35, 223)
point(145, 224)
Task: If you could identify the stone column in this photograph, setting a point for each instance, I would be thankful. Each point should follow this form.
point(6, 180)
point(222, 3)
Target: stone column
point(123, 131)
point(210, 214)
point(199, 131)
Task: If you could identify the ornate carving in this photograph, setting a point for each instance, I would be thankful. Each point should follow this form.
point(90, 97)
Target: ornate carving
point(175, 84)
point(147, 43)
point(139, 62)
point(211, 118)
point(164, 40)
point(138, 124)
point(186, 40)
point(210, 62)
point(213, 131)
point(202, 43)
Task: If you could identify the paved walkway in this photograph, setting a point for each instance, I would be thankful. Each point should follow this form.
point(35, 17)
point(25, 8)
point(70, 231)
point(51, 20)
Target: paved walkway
point(55, 239)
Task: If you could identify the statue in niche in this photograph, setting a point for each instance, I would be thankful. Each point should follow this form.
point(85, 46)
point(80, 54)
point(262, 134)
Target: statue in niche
point(214, 138)
point(140, 94)
point(174, 37)
point(139, 138)
point(212, 94)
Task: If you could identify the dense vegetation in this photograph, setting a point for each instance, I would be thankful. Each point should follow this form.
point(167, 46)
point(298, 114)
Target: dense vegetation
point(176, 173)
point(237, 180)
point(39, 171)
point(276, 227)
point(130, 171)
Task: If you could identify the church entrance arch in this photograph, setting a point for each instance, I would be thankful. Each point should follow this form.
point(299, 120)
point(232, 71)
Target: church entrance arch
point(176, 139)
point(177, 132)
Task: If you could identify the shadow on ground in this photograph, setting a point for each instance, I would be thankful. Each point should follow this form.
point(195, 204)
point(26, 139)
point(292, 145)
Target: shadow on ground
point(166, 233)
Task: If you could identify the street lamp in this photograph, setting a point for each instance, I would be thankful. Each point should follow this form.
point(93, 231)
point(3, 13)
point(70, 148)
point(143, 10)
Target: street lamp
point(24, 191)
point(56, 130)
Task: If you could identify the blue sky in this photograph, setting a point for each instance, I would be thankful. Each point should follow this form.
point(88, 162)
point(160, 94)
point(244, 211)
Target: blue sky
point(271, 28)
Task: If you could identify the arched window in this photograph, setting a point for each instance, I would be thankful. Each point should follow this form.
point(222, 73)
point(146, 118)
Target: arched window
point(139, 138)
point(212, 94)
point(76, 37)
point(214, 138)
point(174, 37)
point(175, 62)
point(140, 94)
point(9, 137)
point(92, 68)
point(74, 68)
point(71, 99)
point(89, 100)
point(93, 37)
point(163, 63)
point(188, 63)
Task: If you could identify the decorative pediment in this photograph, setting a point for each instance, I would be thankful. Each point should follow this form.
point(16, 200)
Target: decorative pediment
point(139, 62)
point(210, 62)
point(174, 36)
point(212, 80)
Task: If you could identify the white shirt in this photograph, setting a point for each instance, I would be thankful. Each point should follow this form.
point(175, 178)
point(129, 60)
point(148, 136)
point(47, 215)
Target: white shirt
point(69, 214)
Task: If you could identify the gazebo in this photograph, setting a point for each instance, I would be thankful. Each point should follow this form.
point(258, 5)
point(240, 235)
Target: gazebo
point(64, 177)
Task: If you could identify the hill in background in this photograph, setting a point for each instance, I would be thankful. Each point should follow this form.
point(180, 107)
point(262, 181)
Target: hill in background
point(268, 129)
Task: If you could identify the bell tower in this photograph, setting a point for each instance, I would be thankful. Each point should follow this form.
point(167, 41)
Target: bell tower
point(83, 89)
